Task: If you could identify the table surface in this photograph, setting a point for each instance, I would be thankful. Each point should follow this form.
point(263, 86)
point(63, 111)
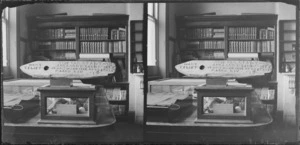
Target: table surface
point(188, 116)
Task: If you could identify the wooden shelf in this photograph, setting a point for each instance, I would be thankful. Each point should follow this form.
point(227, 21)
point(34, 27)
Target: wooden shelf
point(202, 39)
point(250, 39)
point(288, 41)
point(56, 50)
point(288, 61)
point(289, 51)
point(268, 101)
point(120, 102)
point(57, 39)
point(202, 49)
point(136, 41)
point(137, 31)
point(289, 31)
point(100, 40)
point(63, 59)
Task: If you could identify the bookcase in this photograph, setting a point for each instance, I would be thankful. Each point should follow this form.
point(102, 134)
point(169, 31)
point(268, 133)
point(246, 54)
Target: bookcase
point(118, 97)
point(137, 46)
point(94, 38)
point(287, 42)
point(232, 37)
point(223, 37)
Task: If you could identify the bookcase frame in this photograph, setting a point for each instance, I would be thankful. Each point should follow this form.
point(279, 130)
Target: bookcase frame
point(225, 22)
point(283, 42)
point(134, 42)
point(77, 22)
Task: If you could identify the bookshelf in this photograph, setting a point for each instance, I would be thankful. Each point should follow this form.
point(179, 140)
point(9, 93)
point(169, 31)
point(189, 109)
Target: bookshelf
point(222, 37)
point(218, 36)
point(136, 46)
point(62, 37)
point(232, 37)
point(287, 42)
point(118, 97)
point(81, 38)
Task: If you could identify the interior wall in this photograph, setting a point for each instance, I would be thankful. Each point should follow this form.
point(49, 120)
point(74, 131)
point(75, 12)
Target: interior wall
point(224, 8)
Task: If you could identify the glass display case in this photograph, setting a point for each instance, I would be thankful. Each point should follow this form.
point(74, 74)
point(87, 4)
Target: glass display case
point(67, 105)
point(232, 107)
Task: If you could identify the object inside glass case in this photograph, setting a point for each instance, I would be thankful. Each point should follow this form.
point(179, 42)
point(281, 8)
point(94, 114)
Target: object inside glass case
point(73, 106)
point(229, 106)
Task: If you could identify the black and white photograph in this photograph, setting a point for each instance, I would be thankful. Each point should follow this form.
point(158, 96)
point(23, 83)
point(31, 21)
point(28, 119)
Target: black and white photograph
point(150, 72)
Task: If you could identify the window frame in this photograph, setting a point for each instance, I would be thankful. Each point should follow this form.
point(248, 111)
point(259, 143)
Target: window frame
point(154, 18)
point(5, 20)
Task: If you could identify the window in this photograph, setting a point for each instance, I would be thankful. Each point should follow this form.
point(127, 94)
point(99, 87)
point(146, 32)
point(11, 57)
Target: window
point(5, 24)
point(152, 33)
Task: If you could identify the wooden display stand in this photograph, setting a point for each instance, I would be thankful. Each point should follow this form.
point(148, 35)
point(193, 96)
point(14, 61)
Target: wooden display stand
point(223, 113)
point(61, 102)
point(62, 89)
point(219, 102)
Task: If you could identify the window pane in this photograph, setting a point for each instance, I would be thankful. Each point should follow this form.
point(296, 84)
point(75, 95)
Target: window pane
point(4, 48)
point(150, 9)
point(155, 10)
point(151, 43)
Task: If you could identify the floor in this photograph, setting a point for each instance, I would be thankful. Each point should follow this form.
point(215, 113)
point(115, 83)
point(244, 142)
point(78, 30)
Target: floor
point(124, 132)
point(118, 133)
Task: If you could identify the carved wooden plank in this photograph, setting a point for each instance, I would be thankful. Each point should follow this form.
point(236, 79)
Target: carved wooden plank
point(68, 69)
point(224, 68)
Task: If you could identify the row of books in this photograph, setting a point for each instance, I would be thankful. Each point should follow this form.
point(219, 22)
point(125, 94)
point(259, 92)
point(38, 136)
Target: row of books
point(58, 33)
point(267, 94)
point(268, 33)
point(252, 46)
point(115, 94)
point(289, 57)
point(191, 55)
point(103, 47)
point(102, 34)
point(94, 33)
point(118, 34)
point(198, 33)
point(242, 33)
point(63, 55)
point(68, 45)
point(205, 45)
point(118, 109)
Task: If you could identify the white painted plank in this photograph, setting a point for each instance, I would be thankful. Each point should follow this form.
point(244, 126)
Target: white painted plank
point(224, 68)
point(68, 69)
